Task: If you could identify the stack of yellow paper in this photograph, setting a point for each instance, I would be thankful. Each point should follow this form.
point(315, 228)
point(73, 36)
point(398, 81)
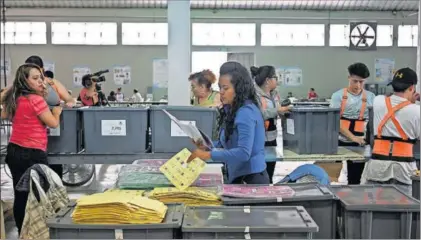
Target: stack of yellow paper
point(180, 173)
point(118, 207)
point(191, 196)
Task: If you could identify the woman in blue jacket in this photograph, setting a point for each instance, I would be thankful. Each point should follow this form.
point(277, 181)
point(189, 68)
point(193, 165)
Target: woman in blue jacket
point(241, 129)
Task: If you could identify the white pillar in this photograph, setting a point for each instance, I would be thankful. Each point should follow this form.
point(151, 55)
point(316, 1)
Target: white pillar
point(419, 47)
point(179, 52)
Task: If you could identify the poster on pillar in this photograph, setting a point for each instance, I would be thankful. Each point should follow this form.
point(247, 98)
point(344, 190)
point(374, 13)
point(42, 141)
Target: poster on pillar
point(160, 73)
point(6, 66)
point(78, 73)
point(49, 66)
point(384, 69)
point(122, 75)
point(290, 76)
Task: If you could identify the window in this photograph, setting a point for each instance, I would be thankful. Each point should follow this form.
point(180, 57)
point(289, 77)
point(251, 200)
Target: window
point(84, 33)
point(224, 34)
point(293, 35)
point(408, 36)
point(339, 35)
point(145, 34)
point(24, 33)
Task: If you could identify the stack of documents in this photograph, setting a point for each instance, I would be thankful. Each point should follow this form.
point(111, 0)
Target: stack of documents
point(145, 174)
point(256, 191)
point(141, 177)
point(118, 207)
point(191, 196)
point(180, 173)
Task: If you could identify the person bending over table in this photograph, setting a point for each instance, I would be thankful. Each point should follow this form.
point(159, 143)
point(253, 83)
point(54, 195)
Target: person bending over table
point(241, 144)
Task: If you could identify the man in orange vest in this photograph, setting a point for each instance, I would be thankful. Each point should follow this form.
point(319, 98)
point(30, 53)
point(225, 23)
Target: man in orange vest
point(396, 124)
point(353, 102)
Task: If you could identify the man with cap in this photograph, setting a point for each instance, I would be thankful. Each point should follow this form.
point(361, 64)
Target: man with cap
point(353, 102)
point(396, 121)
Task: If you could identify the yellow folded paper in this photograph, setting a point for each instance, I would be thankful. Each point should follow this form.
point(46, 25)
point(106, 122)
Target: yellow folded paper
point(118, 207)
point(193, 196)
point(180, 173)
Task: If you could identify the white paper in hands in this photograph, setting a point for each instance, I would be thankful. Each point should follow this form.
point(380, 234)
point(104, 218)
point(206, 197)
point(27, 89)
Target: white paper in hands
point(192, 131)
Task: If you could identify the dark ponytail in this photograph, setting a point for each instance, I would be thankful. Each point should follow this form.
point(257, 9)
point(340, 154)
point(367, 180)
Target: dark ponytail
point(262, 73)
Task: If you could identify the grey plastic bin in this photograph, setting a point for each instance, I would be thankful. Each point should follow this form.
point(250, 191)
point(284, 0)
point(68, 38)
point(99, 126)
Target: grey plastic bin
point(66, 138)
point(256, 222)
point(416, 194)
point(312, 130)
point(115, 130)
point(416, 187)
point(318, 201)
point(376, 212)
point(62, 227)
point(165, 139)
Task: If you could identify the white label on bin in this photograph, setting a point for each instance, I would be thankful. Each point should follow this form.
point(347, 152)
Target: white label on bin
point(247, 236)
point(118, 234)
point(247, 229)
point(113, 127)
point(176, 130)
point(246, 209)
point(290, 126)
point(55, 132)
point(279, 199)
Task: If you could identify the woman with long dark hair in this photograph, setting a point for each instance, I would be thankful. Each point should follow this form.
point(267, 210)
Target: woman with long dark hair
point(241, 129)
point(25, 105)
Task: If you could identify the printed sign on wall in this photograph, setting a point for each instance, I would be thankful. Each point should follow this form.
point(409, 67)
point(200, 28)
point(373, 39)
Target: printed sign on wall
point(78, 73)
point(122, 75)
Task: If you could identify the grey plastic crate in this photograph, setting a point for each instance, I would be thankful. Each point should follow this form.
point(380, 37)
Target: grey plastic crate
point(66, 138)
point(256, 222)
point(115, 130)
point(312, 130)
point(318, 201)
point(62, 227)
point(164, 137)
point(376, 212)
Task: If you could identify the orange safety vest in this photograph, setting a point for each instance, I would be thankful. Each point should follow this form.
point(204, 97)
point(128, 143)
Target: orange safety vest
point(355, 126)
point(393, 148)
point(264, 107)
point(270, 124)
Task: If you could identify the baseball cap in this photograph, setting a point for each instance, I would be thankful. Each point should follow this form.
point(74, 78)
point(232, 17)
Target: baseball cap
point(404, 77)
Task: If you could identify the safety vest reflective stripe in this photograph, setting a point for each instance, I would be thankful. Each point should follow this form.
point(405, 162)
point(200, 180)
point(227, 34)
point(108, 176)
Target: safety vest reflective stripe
point(393, 148)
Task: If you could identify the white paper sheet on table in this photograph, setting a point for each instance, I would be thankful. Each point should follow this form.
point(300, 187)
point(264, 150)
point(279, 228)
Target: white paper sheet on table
point(192, 131)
